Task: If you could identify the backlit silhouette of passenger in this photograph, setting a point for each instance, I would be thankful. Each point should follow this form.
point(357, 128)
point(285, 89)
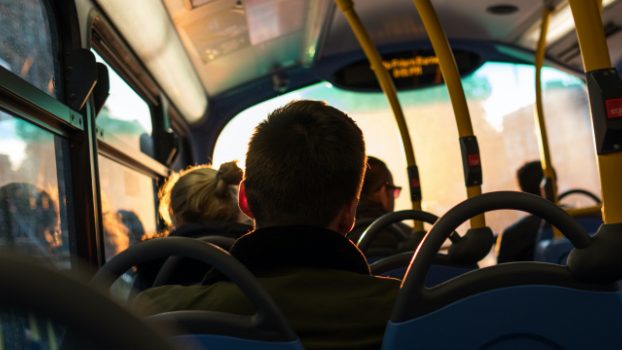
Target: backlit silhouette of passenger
point(29, 221)
point(131, 221)
point(517, 241)
point(378, 198)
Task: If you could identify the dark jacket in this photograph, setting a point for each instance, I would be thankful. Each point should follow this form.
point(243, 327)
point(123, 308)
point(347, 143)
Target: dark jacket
point(318, 278)
point(189, 271)
point(517, 242)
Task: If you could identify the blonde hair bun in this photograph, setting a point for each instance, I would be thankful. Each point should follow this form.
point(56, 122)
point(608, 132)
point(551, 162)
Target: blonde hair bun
point(230, 173)
point(201, 193)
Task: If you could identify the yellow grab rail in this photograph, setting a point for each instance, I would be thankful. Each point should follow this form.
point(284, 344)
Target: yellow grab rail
point(595, 56)
point(451, 76)
point(593, 210)
point(542, 134)
point(549, 186)
point(386, 83)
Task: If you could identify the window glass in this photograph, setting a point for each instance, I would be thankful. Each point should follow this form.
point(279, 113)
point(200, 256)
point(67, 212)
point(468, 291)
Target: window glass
point(501, 101)
point(126, 117)
point(33, 200)
point(26, 48)
point(128, 206)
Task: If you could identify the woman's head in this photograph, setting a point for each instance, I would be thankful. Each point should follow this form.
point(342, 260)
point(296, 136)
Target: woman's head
point(201, 193)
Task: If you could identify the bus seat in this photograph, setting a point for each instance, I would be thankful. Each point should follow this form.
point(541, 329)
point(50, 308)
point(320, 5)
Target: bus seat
point(222, 342)
point(532, 305)
point(556, 250)
point(590, 223)
point(171, 269)
point(442, 269)
point(542, 317)
point(198, 329)
point(552, 251)
point(88, 317)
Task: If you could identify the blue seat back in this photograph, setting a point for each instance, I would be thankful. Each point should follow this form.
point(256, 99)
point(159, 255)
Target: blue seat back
point(437, 274)
point(552, 250)
point(522, 317)
point(442, 270)
point(556, 251)
point(208, 341)
point(441, 273)
point(590, 223)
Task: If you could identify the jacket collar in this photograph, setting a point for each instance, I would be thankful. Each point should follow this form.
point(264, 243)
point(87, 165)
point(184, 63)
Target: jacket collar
point(206, 228)
point(271, 248)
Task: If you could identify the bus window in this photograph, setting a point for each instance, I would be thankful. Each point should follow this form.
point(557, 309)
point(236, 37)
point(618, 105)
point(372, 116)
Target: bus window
point(33, 214)
point(501, 99)
point(27, 48)
point(128, 206)
point(125, 119)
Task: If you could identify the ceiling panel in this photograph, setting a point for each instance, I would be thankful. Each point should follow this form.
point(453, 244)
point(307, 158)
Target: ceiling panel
point(231, 42)
point(394, 21)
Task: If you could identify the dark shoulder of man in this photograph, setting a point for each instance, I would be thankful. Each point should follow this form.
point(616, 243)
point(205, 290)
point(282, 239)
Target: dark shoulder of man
point(221, 296)
point(225, 296)
point(328, 309)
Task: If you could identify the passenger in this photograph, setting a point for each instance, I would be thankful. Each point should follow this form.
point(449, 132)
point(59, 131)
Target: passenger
point(199, 202)
point(517, 242)
point(378, 198)
point(116, 234)
point(29, 221)
point(202, 201)
point(304, 172)
point(135, 228)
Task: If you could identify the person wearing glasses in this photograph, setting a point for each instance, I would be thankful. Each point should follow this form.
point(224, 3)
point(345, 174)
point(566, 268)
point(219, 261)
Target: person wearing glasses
point(378, 198)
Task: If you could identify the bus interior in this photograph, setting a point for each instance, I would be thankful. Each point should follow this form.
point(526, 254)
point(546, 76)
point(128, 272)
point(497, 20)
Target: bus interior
point(101, 100)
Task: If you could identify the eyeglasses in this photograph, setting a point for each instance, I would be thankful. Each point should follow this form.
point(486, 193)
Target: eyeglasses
point(394, 190)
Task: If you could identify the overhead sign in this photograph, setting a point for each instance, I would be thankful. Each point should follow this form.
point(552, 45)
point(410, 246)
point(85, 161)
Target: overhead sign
point(409, 69)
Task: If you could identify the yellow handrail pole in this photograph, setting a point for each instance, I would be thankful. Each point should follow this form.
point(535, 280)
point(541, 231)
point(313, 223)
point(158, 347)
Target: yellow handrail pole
point(549, 185)
point(550, 189)
point(450, 73)
point(593, 210)
point(386, 83)
point(595, 56)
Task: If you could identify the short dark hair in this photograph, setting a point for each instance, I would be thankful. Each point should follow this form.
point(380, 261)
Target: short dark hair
point(530, 176)
point(377, 174)
point(303, 164)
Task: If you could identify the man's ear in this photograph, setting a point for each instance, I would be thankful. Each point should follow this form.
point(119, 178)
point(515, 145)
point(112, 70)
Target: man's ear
point(243, 201)
point(347, 217)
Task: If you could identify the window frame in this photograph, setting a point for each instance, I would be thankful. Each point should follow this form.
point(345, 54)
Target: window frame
point(85, 143)
point(24, 101)
point(103, 37)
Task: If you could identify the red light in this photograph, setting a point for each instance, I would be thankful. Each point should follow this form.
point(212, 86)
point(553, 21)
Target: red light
point(614, 108)
point(415, 183)
point(473, 160)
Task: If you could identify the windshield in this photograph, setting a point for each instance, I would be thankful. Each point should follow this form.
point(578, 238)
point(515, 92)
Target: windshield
point(501, 100)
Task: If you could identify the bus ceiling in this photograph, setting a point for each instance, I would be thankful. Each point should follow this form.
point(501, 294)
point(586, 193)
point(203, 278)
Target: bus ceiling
point(148, 29)
point(229, 43)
